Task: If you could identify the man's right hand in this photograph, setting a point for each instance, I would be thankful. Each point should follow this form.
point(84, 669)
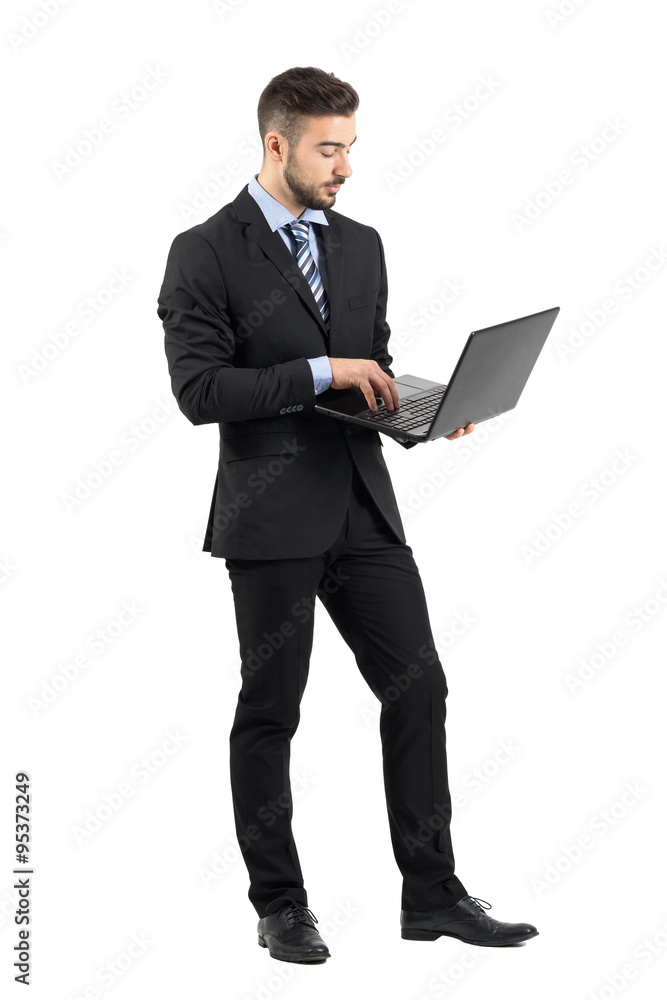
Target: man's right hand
point(364, 374)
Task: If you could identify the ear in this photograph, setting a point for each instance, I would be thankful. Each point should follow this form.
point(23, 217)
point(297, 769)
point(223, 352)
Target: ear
point(275, 147)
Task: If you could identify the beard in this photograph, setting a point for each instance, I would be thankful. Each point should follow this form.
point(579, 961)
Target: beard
point(304, 193)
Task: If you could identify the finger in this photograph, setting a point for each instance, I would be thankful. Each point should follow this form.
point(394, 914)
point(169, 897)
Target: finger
point(367, 390)
point(394, 392)
point(382, 386)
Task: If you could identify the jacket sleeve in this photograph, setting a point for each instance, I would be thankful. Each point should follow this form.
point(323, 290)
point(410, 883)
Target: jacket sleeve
point(199, 342)
point(381, 331)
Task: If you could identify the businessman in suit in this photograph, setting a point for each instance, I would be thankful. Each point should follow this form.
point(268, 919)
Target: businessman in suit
point(274, 302)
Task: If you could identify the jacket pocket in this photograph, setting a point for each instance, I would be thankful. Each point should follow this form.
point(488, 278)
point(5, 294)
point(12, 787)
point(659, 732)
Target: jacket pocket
point(367, 299)
point(258, 426)
point(281, 443)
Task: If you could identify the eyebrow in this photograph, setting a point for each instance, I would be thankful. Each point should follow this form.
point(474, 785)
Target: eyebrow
point(341, 145)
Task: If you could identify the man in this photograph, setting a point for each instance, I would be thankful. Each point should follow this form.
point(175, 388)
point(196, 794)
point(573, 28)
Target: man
point(274, 300)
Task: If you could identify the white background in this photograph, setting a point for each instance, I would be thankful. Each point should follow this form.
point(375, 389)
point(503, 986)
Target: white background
point(486, 536)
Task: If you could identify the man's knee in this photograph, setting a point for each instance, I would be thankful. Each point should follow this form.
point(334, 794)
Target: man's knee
point(416, 680)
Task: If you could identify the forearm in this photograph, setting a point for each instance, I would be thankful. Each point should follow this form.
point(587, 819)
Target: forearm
point(226, 393)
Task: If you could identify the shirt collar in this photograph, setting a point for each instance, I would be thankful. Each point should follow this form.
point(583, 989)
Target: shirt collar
point(276, 214)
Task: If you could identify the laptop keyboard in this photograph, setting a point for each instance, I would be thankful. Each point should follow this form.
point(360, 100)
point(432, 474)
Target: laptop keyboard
point(411, 413)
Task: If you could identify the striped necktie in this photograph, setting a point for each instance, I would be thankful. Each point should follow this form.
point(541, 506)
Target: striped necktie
point(304, 257)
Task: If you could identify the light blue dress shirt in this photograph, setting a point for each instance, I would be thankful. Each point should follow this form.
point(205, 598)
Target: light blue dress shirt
point(277, 216)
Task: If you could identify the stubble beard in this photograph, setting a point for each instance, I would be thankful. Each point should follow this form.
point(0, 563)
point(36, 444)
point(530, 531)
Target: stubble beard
point(305, 194)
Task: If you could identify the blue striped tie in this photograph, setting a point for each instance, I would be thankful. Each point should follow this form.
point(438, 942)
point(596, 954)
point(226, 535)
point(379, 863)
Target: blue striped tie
point(304, 257)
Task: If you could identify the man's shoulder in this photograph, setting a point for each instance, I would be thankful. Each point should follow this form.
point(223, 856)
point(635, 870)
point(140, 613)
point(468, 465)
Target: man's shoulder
point(214, 227)
point(351, 226)
point(222, 223)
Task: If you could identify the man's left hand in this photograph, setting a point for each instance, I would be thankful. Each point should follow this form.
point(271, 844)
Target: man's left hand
point(468, 429)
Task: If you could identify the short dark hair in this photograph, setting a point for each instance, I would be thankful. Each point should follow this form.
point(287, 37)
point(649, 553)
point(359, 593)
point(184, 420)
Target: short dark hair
point(303, 92)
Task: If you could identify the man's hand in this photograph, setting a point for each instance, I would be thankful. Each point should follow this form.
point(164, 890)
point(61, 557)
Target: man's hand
point(460, 432)
point(366, 375)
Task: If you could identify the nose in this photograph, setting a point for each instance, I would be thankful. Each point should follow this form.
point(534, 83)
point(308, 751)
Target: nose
point(343, 167)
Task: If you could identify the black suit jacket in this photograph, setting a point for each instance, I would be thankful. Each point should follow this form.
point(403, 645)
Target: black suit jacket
point(240, 323)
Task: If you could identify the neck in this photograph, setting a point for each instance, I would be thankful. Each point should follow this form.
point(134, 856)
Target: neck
point(277, 190)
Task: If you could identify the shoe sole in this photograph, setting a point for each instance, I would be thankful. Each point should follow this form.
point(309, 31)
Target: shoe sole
point(316, 960)
point(417, 935)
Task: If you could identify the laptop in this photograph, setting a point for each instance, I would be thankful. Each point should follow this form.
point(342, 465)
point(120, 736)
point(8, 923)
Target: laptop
point(488, 379)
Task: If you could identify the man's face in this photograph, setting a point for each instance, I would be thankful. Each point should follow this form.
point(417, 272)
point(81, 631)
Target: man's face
point(315, 169)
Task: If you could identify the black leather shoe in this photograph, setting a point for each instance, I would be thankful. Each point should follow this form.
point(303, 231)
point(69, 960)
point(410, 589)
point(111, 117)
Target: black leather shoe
point(465, 920)
point(290, 934)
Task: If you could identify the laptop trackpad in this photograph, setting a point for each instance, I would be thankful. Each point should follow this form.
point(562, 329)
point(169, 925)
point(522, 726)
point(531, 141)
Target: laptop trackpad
point(410, 386)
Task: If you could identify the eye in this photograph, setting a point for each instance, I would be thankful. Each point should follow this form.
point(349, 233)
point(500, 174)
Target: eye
point(327, 155)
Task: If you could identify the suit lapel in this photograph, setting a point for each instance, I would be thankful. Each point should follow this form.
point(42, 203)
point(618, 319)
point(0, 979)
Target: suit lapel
point(273, 246)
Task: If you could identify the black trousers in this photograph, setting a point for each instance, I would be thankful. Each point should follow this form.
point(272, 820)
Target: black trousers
point(370, 585)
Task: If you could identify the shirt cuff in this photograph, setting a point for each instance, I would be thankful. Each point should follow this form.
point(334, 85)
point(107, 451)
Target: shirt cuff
point(322, 374)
